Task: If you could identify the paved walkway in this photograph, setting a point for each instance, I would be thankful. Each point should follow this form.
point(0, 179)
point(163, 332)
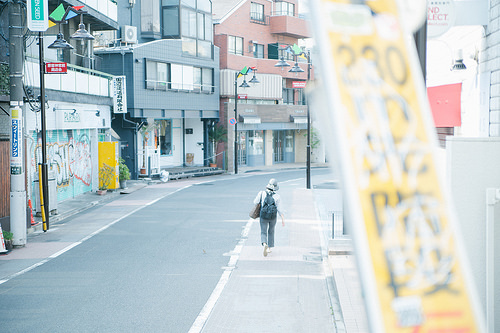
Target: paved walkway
point(303, 286)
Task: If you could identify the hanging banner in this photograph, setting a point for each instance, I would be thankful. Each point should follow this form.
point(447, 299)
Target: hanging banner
point(16, 141)
point(413, 269)
point(37, 15)
point(119, 94)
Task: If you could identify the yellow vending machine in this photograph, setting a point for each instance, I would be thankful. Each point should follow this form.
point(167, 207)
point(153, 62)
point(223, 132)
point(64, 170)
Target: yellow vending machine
point(108, 165)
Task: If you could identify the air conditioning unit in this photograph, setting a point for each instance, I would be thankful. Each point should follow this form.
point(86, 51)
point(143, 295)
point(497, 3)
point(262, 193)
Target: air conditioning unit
point(129, 34)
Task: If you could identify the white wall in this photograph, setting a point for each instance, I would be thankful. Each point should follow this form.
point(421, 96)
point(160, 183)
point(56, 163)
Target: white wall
point(472, 167)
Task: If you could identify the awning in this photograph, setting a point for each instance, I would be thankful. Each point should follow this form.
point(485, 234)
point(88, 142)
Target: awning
point(250, 119)
point(445, 104)
point(298, 119)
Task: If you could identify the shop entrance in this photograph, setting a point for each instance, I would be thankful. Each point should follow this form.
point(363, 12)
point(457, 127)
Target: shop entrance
point(283, 148)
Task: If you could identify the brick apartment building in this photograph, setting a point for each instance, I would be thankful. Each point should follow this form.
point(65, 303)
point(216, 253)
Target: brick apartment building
point(271, 115)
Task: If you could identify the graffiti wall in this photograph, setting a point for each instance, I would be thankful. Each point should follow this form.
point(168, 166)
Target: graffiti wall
point(68, 158)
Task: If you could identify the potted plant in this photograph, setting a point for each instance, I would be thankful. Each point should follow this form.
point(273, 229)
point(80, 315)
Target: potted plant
point(106, 176)
point(217, 134)
point(7, 237)
point(124, 173)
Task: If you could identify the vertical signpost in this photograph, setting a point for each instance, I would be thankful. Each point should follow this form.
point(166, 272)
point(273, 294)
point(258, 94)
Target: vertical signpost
point(412, 266)
point(38, 20)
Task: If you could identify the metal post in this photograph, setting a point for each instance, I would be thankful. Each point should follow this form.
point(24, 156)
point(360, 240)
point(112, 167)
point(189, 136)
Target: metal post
point(45, 179)
point(308, 159)
point(18, 213)
point(236, 123)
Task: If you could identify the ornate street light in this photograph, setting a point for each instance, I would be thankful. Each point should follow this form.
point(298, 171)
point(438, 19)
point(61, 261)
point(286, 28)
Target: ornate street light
point(296, 69)
point(254, 79)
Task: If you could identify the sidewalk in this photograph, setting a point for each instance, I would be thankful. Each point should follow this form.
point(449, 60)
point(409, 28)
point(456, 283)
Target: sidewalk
point(303, 286)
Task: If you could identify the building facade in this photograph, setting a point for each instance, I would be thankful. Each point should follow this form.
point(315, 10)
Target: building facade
point(165, 51)
point(78, 104)
point(272, 114)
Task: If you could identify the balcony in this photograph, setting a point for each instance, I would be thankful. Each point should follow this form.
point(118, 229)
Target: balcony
point(290, 26)
point(77, 80)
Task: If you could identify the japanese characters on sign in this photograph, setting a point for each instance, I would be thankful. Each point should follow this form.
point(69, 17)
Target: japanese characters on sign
point(119, 94)
point(16, 141)
point(402, 225)
point(56, 68)
point(298, 84)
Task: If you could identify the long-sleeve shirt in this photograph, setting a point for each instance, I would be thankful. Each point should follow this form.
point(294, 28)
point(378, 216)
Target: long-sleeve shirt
point(262, 196)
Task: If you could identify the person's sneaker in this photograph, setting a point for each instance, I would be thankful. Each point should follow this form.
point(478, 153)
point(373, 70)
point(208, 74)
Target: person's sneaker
point(269, 250)
point(265, 250)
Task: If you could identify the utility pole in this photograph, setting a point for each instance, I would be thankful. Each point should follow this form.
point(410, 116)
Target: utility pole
point(17, 165)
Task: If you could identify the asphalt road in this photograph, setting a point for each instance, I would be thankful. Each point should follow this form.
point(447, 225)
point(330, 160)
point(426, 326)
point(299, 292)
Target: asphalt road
point(151, 270)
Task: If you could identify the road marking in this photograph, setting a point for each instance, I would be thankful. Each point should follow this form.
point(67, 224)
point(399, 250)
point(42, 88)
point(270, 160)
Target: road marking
point(202, 318)
point(72, 245)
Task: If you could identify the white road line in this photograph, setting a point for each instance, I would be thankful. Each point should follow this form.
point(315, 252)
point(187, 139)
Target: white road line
point(69, 247)
point(202, 318)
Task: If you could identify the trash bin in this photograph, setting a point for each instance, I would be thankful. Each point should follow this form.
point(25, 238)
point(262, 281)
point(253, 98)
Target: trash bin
point(189, 159)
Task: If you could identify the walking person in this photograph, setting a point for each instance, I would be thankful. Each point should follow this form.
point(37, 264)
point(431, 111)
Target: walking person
point(270, 203)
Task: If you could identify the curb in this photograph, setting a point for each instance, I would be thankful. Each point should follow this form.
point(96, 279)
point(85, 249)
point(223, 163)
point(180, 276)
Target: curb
point(54, 219)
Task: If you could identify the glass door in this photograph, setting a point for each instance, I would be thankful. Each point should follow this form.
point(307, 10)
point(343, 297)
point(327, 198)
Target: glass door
point(242, 148)
point(278, 142)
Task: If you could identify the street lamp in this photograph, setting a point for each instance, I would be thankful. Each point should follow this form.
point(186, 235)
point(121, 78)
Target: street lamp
point(58, 44)
point(254, 79)
point(296, 69)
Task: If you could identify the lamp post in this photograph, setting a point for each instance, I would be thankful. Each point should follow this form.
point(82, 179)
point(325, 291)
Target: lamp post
point(296, 69)
point(58, 44)
point(254, 79)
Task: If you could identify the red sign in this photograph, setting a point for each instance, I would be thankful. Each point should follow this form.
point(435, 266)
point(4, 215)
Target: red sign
point(299, 84)
point(56, 68)
point(242, 96)
point(445, 104)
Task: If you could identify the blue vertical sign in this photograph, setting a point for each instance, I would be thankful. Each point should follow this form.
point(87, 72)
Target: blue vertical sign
point(16, 155)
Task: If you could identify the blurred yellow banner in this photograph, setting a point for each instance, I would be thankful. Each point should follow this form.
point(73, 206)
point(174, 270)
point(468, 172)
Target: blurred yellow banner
point(402, 222)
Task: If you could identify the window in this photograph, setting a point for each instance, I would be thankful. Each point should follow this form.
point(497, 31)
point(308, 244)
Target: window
point(150, 16)
point(176, 76)
point(255, 142)
point(156, 75)
point(171, 22)
point(188, 23)
point(258, 51)
point(288, 96)
point(235, 45)
point(284, 8)
point(257, 12)
point(165, 137)
point(204, 49)
point(207, 80)
point(205, 5)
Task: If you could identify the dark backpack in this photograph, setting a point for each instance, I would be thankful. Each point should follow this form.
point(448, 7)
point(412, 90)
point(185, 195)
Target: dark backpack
point(269, 209)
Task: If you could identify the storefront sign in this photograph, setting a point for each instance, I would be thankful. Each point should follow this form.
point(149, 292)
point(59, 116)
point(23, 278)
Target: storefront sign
point(37, 14)
point(119, 94)
point(242, 96)
point(56, 68)
point(16, 141)
point(440, 17)
point(412, 269)
point(71, 117)
point(298, 84)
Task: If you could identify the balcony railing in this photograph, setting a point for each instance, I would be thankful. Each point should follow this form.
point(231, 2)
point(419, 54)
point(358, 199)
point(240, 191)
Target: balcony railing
point(78, 79)
point(259, 18)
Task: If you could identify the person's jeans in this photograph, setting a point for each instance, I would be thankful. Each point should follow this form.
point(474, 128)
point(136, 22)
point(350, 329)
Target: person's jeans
point(267, 231)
